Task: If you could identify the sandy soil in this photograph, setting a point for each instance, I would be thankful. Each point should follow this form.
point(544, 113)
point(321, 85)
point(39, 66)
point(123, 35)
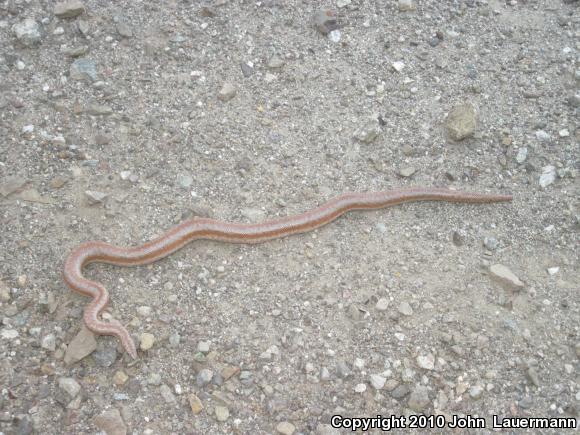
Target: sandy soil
point(125, 118)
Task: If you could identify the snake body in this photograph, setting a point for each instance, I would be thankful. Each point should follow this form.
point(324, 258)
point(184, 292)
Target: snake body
point(202, 228)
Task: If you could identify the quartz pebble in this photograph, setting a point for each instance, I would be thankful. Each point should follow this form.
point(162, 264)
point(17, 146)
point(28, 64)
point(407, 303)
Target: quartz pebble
point(360, 388)
point(146, 342)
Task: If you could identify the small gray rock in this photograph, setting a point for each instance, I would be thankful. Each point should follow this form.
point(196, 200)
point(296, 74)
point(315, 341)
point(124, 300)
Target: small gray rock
point(419, 398)
point(325, 20)
point(490, 243)
point(406, 5)
point(106, 356)
point(227, 92)
point(111, 422)
point(505, 277)
point(27, 32)
point(204, 377)
point(70, 386)
point(95, 197)
point(83, 69)
point(69, 9)
point(405, 309)
point(367, 133)
point(124, 30)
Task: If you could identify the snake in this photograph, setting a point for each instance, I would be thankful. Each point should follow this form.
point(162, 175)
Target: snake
point(247, 233)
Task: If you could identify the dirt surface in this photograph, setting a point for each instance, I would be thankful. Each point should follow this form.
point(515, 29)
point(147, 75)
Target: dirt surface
point(125, 118)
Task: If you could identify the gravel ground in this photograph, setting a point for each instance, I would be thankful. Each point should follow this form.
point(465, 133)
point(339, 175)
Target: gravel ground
point(120, 119)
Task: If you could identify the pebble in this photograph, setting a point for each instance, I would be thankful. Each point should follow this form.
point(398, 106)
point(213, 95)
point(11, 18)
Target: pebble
point(221, 413)
point(342, 3)
point(253, 214)
point(69, 9)
point(426, 362)
point(99, 109)
point(48, 342)
point(522, 155)
point(461, 122)
point(95, 197)
point(174, 339)
point(247, 69)
point(204, 377)
point(227, 92)
point(398, 66)
point(167, 394)
point(275, 63)
point(475, 392)
point(106, 356)
point(325, 20)
point(532, 375)
point(378, 381)
point(407, 171)
point(83, 69)
point(335, 35)
point(419, 398)
point(147, 340)
point(203, 346)
point(398, 392)
point(120, 377)
point(367, 133)
point(70, 386)
point(124, 30)
point(548, 176)
point(111, 422)
point(4, 292)
point(82, 345)
point(27, 32)
point(144, 311)
point(285, 428)
point(490, 243)
point(76, 51)
point(360, 388)
point(382, 304)
point(505, 277)
point(553, 270)
point(326, 429)
point(542, 136)
point(324, 374)
point(185, 180)
point(154, 379)
point(195, 404)
point(405, 309)
point(406, 5)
